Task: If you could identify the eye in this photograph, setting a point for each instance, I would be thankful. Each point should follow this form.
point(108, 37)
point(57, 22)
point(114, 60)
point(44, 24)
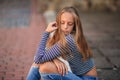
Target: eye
point(70, 24)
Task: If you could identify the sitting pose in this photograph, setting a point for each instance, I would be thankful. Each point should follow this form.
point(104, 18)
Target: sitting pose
point(65, 55)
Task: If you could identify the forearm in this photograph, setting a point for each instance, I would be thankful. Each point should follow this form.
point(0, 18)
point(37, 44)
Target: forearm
point(43, 55)
point(45, 69)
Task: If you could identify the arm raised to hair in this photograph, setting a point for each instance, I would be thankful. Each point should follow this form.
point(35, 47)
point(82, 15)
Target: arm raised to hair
point(42, 55)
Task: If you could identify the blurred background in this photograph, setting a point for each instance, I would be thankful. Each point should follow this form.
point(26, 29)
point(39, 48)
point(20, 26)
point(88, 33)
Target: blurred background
point(22, 23)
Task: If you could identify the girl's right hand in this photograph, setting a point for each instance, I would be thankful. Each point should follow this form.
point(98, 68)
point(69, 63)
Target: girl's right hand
point(51, 27)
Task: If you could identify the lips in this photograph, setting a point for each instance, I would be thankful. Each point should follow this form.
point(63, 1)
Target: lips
point(66, 32)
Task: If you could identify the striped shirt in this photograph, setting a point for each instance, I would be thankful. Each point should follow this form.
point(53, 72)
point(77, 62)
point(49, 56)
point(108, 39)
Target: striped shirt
point(77, 65)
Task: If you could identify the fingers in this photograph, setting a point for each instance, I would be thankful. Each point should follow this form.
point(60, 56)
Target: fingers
point(59, 68)
point(52, 26)
point(53, 23)
point(62, 68)
point(66, 69)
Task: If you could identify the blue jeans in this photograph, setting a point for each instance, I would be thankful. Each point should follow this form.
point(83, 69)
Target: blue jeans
point(35, 75)
point(88, 78)
point(52, 76)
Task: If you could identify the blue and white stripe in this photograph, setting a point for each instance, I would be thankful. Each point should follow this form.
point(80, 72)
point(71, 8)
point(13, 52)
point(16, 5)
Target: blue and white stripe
point(77, 65)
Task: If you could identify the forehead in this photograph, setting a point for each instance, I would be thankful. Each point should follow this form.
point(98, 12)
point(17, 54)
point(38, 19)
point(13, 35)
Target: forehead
point(67, 16)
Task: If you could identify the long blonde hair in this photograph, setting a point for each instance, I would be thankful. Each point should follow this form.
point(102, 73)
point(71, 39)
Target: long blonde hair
point(79, 38)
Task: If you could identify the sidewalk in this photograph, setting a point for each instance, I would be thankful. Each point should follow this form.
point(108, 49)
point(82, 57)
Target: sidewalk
point(102, 31)
point(18, 46)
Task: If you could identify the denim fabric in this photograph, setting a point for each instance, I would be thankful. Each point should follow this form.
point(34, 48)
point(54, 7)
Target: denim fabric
point(33, 74)
point(69, 76)
point(52, 76)
point(89, 78)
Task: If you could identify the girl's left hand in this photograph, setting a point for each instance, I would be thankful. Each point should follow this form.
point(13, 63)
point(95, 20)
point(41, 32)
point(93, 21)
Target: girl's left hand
point(62, 68)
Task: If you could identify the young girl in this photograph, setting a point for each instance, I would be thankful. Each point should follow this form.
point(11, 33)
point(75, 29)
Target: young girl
point(66, 46)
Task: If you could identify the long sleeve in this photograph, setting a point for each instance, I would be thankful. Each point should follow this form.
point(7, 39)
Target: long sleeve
point(43, 55)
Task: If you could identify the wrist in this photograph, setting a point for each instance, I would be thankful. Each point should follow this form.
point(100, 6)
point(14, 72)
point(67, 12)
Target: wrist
point(47, 31)
point(54, 60)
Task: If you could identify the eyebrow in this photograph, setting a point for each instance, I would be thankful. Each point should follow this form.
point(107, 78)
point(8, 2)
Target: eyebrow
point(69, 21)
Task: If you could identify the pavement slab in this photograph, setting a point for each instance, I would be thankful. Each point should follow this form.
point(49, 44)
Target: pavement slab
point(18, 42)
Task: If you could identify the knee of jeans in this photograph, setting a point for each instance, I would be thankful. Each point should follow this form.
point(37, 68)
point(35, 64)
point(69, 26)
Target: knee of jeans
point(51, 77)
point(55, 76)
point(34, 71)
point(45, 77)
point(90, 78)
point(72, 76)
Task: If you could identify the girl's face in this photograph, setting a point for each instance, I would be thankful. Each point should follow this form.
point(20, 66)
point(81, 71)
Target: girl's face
point(67, 22)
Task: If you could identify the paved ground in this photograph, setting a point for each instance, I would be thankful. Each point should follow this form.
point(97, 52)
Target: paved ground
point(15, 13)
point(102, 31)
point(18, 45)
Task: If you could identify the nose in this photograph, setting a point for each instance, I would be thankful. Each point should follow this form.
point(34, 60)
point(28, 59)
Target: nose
point(65, 26)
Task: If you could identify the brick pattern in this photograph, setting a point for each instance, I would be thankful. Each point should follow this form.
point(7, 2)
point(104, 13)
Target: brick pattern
point(18, 46)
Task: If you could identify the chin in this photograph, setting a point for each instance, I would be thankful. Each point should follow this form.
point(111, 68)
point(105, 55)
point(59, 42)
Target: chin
point(66, 34)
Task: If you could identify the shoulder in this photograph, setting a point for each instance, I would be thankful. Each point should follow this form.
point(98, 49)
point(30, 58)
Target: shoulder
point(70, 37)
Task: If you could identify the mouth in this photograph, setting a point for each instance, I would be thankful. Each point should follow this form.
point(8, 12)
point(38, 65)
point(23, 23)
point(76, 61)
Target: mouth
point(66, 32)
